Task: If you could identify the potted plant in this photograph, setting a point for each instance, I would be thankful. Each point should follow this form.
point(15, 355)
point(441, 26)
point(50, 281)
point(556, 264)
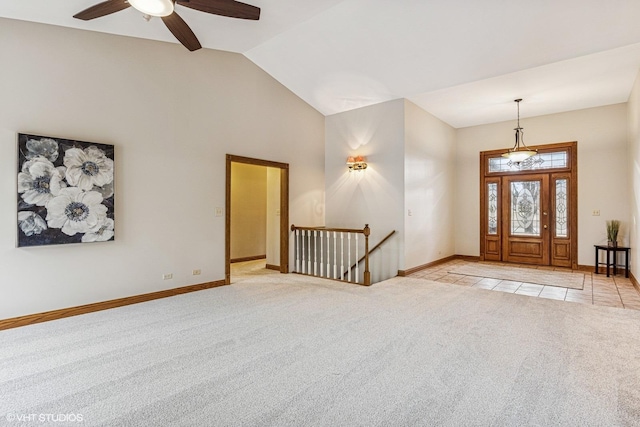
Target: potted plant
point(613, 226)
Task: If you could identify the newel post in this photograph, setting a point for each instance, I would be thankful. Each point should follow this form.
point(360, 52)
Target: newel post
point(367, 273)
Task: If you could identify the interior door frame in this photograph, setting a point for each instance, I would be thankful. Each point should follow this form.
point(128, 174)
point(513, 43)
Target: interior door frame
point(284, 211)
point(492, 248)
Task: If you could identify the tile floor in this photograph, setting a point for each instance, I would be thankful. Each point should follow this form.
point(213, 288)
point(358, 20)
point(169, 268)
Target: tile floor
point(598, 288)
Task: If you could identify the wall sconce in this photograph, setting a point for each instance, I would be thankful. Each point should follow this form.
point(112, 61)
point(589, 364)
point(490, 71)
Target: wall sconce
point(356, 163)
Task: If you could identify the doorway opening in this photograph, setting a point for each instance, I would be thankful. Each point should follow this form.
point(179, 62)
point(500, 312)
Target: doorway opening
point(529, 212)
point(265, 183)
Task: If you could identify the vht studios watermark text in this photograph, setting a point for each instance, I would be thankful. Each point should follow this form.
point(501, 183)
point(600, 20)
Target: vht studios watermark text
point(44, 418)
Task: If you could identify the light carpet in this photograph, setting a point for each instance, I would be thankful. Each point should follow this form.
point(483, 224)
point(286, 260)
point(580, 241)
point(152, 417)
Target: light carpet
point(522, 274)
point(289, 350)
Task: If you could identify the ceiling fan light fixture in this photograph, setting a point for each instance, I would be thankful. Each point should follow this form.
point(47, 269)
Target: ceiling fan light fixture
point(153, 7)
point(165, 9)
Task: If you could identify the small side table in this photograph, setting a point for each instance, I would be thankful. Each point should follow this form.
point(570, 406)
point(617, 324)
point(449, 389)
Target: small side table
point(613, 250)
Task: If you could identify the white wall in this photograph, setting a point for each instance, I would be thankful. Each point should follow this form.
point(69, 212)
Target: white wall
point(602, 171)
point(411, 157)
point(273, 216)
point(429, 188)
point(633, 119)
point(172, 116)
point(374, 196)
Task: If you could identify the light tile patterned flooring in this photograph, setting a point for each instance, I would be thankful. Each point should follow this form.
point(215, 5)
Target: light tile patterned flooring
point(598, 288)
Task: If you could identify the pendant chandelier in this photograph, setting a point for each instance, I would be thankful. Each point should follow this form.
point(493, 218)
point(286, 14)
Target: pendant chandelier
point(519, 153)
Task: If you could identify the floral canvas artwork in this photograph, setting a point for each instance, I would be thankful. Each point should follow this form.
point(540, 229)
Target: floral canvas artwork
point(65, 191)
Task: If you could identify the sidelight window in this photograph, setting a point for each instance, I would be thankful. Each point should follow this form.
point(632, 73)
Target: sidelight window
point(492, 208)
point(562, 208)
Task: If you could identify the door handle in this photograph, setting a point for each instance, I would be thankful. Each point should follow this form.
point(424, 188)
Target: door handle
point(545, 226)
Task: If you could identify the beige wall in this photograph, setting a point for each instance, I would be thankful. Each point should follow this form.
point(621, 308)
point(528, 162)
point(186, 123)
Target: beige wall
point(633, 119)
point(172, 115)
point(248, 210)
point(602, 171)
point(374, 196)
point(429, 189)
point(411, 157)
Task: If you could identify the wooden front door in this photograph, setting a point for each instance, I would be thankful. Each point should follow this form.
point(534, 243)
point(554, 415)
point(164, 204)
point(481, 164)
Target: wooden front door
point(529, 211)
point(525, 213)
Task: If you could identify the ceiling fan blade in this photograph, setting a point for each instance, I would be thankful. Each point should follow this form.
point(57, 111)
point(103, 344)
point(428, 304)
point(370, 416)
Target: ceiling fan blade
point(101, 9)
point(231, 8)
point(181, 30)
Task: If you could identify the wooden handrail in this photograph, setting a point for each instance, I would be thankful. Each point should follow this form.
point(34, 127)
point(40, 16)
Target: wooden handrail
point(366, 231)
point(371, 251)
point(344, 230)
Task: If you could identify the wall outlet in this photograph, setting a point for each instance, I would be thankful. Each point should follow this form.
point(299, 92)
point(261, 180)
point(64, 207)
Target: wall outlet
point(410, 212)
point(218, 212)
point(596, 212)
point(196, 272)
point(167, 276)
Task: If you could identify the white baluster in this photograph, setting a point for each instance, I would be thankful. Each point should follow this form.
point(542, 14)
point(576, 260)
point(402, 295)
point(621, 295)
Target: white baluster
point(335, 255)
point(341, 255)
point(297, 245)
point(357, 263)
point(328, 255)
point(309, 253)
point(321, 255)
point(349, 255)
point(315, 252)
point(304, 256)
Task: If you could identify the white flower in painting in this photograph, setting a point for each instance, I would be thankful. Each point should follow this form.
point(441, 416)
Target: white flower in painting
point(45, 147)
point(39, 181)
point(31, 223)
point(76, 211)
point(102, 234)
point(88, 167)
point(106, 190)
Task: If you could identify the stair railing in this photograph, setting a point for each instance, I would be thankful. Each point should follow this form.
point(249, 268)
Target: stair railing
point(365, 257)
point(316, 252)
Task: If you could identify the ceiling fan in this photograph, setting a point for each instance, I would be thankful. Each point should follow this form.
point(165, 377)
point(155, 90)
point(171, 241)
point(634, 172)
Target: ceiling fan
point(165, 9)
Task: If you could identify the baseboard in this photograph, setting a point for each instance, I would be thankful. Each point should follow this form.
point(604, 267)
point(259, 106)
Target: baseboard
point(104, 305)
point(248, 258)
point(469, 258)
point(603, 270)
point(634, 281)
point(589, 268)
point(412, 270)
point(273, 267)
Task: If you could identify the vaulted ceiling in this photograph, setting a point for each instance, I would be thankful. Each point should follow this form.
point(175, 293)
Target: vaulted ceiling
point(464, 61)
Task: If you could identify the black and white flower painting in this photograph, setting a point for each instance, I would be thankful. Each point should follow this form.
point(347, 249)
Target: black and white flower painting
point(65, 191)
